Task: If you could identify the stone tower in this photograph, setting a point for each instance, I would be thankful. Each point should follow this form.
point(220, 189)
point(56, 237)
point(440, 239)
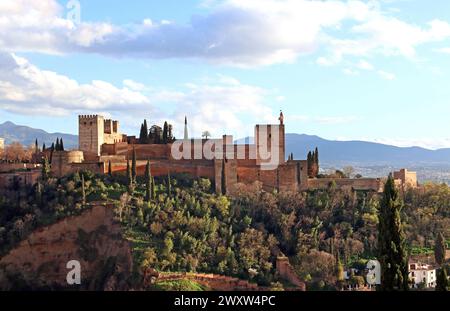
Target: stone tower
point(270, 144)
point(186, 134)
point(91, 131)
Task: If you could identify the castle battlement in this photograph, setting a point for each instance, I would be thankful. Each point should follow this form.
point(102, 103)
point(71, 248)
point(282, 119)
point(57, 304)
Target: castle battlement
point(89, 116)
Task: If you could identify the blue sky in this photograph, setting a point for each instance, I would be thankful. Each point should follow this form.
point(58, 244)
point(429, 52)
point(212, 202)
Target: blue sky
point(370, 70)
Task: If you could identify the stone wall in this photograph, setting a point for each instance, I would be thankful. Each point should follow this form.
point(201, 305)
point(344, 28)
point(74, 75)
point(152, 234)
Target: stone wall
point(286, 272)
point(93, 238)
point(363, 184)
point(22, 178)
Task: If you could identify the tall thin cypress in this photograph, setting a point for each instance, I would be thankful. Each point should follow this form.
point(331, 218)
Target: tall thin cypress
point(148, 182)
point(83, 190)
point(391, 241)
point(45, 169)
point(109, 169)
point(145, 131)
point(61, 145)
point(133, 166)
point(169, 185)
point(153, 188)
point(223, 179)
point(165, 133)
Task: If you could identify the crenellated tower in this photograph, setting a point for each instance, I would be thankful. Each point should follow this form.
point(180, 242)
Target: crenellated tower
point(91, 131)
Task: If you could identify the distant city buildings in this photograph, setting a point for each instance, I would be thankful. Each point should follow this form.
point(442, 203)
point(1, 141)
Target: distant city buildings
point(2, 143)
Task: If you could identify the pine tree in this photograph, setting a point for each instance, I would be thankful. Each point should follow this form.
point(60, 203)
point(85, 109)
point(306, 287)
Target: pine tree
point(223, 179)
point(439, 249)
point(148, 182)
point(133, 166)
point(165, 133)
point(442, 283)
point(83, 190)
point(61, 145)
point(391, 241)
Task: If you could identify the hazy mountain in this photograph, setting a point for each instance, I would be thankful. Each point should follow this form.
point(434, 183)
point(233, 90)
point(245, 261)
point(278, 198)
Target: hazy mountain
point(360, 152)
point(27, 136)
point(332, 153)
point(364, 153)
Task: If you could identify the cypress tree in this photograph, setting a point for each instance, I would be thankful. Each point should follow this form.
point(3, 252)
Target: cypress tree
point(223, 179)
point(36, 147)
point(43, 147)
point(310, 164)
point(109, 169)
point(39, 194)
point(45, 169)
point(153, 188)
point(316, 159)
point(148, 182)
point(141, 134)
point(83, 190)
point(57, 146)
point(61, 145)
point(165, 133)
point(52, 149)
point(442, 283)
point(169, 186)
point(133, 166)
point(439, 249)
point(391, 241)
point(129, 178)
point(145, 132)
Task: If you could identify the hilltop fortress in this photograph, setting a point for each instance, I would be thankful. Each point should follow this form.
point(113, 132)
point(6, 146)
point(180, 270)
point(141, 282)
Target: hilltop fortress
point(102, 148)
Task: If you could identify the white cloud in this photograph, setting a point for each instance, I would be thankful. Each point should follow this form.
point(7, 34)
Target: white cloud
point(443, 50)
point(219, 104)
point(386, 75)
point(364, 65)
point(350, 72)
point(242, 33)
point(27, 89)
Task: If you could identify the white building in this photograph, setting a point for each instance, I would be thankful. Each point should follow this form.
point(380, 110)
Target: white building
point(422, 275)
point(2, 143)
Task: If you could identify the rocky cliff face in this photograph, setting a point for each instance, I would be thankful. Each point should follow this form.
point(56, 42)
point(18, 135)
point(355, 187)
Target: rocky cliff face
point(93, 238)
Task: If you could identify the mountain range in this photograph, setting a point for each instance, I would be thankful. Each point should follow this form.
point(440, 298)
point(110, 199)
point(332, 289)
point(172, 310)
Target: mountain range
point(27, 136)
point(332, 153)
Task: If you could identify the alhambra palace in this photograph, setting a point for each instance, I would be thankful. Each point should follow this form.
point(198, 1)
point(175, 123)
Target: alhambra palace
point(103, 148)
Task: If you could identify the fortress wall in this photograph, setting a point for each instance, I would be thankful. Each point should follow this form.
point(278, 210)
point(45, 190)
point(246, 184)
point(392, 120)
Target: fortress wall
point(144, 152)
point(367, 184)
point(269, 179)
point(288, 177)
point(8, 167)
point(163, 168)
point(247, 175)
